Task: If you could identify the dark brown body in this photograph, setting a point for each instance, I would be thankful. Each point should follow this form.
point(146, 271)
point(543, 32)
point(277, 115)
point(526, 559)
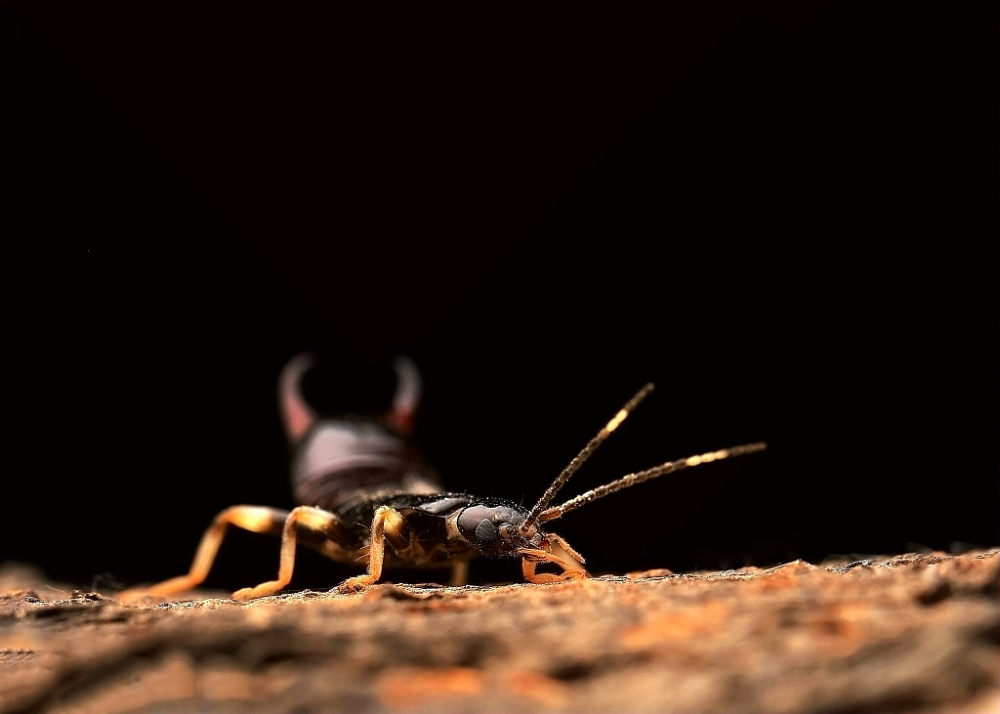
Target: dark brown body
point(340, 462)
point(368, 496)
point(351, 466)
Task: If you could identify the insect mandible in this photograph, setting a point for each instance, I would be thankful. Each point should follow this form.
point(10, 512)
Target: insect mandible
point(368, 496)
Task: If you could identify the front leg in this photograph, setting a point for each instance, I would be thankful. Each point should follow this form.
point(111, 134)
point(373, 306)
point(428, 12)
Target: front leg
point(561, 554)
point(386, 519)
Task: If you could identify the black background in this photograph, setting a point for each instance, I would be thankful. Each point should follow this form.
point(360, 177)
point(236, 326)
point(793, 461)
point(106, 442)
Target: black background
point(786, 217)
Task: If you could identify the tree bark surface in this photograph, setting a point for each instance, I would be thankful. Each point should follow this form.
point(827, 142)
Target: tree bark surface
point(908, 633)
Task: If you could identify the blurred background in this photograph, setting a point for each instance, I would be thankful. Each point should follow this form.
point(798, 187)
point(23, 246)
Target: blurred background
point(784, 214)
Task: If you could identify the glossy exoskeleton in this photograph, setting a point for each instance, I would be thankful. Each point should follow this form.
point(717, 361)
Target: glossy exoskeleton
point(369, 496)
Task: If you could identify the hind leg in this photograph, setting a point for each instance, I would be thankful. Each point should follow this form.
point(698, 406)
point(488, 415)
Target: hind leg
point(258, 519)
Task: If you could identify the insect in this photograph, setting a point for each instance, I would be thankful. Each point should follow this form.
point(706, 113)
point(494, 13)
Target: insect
point(369, 496)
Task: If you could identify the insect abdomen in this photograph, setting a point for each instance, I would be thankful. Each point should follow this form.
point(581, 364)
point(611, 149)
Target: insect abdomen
point(341, 462)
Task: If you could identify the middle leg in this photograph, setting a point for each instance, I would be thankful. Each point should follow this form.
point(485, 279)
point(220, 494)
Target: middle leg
point(386, 520)
point(459, 573)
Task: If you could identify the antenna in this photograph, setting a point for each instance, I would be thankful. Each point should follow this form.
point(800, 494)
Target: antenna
point(632, 479)
point(584, 454)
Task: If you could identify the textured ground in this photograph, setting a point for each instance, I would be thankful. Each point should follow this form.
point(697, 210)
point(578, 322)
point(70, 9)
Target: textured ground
point(907, 633)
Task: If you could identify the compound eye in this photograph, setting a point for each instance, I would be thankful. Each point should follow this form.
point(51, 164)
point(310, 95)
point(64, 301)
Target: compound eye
point(470, 519)
point(486, 532)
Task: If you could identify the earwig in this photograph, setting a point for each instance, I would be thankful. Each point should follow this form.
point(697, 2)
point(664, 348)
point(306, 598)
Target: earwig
point(368, 496)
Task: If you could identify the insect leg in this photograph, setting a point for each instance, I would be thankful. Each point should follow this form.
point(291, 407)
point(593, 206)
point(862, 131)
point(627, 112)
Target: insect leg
point(459, 573)
point(310, 517)
point(386, 519)
point(258, 519)
point(568, 554)
point(562, 555)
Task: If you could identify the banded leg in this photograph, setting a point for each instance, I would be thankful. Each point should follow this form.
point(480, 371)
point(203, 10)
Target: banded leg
point(563, 556)
point(386, 519)
point(310, 517)
point(257, 519)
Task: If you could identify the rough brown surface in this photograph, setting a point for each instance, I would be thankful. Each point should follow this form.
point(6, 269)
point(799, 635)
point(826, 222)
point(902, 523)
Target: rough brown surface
point(907, 633)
